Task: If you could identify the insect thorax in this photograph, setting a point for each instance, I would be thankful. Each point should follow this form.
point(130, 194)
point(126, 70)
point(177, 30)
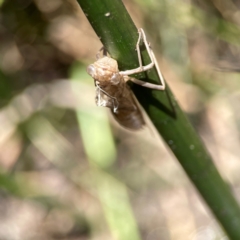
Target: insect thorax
point(105, 70)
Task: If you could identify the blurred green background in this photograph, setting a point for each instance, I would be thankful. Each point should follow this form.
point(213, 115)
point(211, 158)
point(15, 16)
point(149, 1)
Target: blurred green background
point(67, 169)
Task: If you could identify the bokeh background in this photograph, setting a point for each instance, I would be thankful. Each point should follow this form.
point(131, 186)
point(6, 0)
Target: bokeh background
point(67, 169)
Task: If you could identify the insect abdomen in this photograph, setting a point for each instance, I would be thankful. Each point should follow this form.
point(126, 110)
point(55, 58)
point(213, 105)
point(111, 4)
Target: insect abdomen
point(131, 119)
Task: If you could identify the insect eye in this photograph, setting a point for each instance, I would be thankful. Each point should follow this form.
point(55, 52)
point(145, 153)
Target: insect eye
point(115, 78)
point(91, 70)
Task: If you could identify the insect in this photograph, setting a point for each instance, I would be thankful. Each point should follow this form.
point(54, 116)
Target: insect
point(112, 90)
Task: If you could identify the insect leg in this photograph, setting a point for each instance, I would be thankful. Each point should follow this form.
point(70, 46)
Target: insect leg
point(146, 84)
point(103, 50)
point(141, 68)
point(147, 67)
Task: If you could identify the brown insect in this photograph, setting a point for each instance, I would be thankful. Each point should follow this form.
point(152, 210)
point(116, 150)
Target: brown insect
point(112, 90)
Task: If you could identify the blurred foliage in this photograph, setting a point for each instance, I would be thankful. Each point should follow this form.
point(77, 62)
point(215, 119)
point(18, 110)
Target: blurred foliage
point(50, 183)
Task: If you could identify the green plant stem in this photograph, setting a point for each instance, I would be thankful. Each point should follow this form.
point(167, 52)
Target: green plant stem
point(116, 30)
